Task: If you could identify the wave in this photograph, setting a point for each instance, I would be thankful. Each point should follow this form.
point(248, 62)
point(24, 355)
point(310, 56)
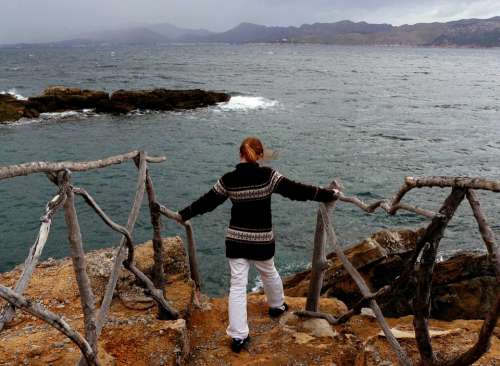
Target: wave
point(55, 116)
point(245, 103)
point(14, 93)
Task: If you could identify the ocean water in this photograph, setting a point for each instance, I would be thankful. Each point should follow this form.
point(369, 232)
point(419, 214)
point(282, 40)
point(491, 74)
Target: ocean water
point(368, 116)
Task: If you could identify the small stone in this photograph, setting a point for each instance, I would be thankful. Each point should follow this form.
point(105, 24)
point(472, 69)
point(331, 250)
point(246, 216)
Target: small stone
point(35, 351)
point(319, 328)
point(59, 344)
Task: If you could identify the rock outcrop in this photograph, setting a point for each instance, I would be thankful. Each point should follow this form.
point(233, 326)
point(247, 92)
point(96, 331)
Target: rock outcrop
point(464, 286)
point(12, 109)
point(61, 99)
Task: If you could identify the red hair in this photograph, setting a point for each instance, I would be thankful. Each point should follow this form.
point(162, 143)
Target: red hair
point(251, 149)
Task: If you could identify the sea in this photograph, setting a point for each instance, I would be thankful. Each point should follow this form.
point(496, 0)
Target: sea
point(367, 116)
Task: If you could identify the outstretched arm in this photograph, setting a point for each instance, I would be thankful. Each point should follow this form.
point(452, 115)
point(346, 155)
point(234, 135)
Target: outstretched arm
point(206, 203)
point(304, 192)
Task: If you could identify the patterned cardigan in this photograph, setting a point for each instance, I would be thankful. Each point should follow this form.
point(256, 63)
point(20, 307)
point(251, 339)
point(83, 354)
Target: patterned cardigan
point(249, 187)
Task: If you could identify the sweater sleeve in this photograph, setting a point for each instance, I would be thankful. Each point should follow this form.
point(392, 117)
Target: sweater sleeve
point(206, 203)
point(302, 192)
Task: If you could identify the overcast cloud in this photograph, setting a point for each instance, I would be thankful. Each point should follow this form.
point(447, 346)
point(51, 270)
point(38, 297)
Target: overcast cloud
point(43, 20)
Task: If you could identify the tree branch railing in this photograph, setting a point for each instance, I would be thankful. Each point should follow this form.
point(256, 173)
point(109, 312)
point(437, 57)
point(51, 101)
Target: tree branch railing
point(425, 249)
point(94, 321)
point(59, 173)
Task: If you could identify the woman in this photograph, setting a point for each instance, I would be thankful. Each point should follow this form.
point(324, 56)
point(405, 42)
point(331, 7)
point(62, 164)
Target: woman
point(250, 238)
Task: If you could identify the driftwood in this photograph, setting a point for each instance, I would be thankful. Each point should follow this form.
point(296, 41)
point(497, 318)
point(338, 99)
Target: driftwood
point(422, 299)
point(485, 230)
point(193, 261)
point(428, 243)
point(167, 311)
point(158, 271)
point(319, 262)
point(316, 314)
point(54, 320)
point(365, 291)
point(456, 182)
point(34, 254)
point(121, 250)
point(54, 167)
point(87, 298)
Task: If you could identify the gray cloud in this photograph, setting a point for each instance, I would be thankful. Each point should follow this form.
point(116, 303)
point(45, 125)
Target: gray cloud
point(35, 20)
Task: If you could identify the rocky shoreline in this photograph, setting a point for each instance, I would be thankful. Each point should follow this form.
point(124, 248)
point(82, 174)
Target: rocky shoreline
point(134, 336)
point(62, 99)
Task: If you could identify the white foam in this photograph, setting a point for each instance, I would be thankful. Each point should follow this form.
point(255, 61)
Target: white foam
point(245, 103)
point(14, 93)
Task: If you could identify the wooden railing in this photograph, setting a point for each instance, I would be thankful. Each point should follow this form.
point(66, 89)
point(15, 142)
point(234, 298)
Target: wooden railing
point(424, 254)
point(420, 265)
point(59, 173)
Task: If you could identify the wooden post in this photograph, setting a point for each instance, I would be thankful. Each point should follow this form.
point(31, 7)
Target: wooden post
point(401, 354)
point(159, 254)
point(422, 301)
point(318, 266)
point(485, 230)
point(78, 257)
point(193, 259)
point(191, 243)
point(54, 320)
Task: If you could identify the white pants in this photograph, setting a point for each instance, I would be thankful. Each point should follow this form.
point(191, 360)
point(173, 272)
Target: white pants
point(273, 287)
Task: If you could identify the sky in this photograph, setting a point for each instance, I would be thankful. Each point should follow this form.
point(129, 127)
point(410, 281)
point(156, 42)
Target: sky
point(52, 20)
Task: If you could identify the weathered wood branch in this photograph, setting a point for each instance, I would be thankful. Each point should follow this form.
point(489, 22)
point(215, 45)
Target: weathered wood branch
point(384, 204)
point(422, 301)
point(51, 318)
point(87, 298)
point(316, 314)
point(319, 262)
point(483, 342)
point(93, 204)
point(48, 167)
point(158, 253)
point(193, 259)
point(121, 251)
point(438, 181)
point(365, 291)
point(356, 308)
point(318, 266)
point(166, 311)
point(34, 254)
point(191, 243)
point(157, 295)
point(485, 230)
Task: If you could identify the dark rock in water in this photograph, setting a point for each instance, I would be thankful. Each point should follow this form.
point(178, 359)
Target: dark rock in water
point(12, 109)
point(464, 286)
point(165, 100)
point(60, 99)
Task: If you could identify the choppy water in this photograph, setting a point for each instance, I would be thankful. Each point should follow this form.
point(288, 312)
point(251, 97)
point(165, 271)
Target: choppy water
point(366, 115)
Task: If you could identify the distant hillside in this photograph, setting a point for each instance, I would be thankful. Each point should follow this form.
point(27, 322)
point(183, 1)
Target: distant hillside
point(469, 33)
point(176, 33)
point(461, 33)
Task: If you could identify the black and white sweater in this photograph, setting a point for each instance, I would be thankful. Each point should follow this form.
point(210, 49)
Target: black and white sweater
point(249, 187)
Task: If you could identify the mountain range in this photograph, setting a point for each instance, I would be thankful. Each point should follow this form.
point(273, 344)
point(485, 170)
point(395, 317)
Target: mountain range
point(460, 33)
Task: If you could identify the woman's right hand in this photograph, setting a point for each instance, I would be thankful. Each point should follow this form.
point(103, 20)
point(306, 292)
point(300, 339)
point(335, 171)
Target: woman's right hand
point(177, 217)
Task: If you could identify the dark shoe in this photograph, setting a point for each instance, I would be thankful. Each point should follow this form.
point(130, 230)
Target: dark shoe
point(237, 344)
point(275, 312)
